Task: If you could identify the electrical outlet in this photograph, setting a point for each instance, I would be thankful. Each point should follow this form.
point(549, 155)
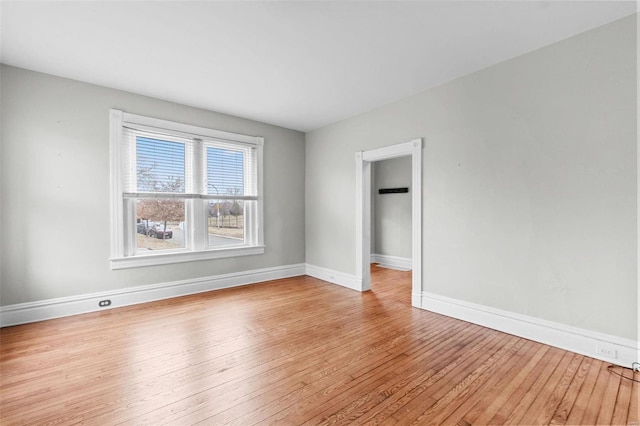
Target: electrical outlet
point(606, 351)
point(104, 303)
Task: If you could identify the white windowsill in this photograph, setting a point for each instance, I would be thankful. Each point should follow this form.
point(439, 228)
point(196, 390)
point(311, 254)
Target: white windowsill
point(191, 256)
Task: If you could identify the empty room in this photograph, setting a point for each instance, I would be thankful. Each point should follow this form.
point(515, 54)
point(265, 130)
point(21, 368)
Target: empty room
point(319, 212)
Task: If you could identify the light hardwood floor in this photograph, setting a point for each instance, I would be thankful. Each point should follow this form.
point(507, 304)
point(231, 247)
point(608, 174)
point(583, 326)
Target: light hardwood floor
point(292, 352)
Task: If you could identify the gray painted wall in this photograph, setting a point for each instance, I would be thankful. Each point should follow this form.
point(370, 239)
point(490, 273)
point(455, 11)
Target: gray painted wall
point(391, 213)
point(529, 182)
point(55, 189)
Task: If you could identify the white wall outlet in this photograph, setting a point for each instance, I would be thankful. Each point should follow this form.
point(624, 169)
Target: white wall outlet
point(607, 351)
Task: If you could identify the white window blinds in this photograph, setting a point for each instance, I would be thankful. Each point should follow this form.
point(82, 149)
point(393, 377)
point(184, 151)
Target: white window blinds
point(166, 164)
point(230, 171)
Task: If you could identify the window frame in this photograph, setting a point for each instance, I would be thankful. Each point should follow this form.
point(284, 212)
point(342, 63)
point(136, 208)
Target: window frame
point(123, 223)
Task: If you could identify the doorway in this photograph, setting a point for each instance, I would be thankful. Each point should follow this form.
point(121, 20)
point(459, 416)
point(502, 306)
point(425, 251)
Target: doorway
point(364, 160)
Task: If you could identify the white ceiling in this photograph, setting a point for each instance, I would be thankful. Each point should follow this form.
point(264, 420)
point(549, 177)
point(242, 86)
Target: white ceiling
point(300, 65)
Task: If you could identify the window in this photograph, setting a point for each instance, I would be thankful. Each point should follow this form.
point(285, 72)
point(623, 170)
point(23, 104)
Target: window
point(181, 193)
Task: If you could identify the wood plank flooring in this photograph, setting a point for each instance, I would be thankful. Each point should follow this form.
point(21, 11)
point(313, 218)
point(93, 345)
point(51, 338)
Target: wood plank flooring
point(297, 352)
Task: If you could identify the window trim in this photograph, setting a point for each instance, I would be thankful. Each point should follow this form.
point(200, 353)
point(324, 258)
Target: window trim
point(118, 119)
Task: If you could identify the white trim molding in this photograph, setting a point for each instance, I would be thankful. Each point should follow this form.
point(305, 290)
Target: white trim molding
point(23, 313)
point(574, 339)
point(392, 262)
point(363, 162)
point(180, 257)
point(334, 277)
point(123, 130)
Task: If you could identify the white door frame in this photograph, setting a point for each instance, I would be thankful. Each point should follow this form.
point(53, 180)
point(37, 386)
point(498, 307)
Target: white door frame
point(364, 159)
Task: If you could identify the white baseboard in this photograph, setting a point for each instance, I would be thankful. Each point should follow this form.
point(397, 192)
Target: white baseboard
point(551, 333)
point(23, 313)
point(334, 277)
point(559, 335)
point(392, 262)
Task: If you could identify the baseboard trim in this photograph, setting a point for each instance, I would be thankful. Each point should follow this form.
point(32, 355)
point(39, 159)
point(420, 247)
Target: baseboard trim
point(562, 336)
point(23, 313)
point(334, 277)
point(392, 262)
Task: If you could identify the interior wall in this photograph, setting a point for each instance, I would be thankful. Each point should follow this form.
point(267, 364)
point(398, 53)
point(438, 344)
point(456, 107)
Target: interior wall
point(391, 213)
point(55, 189)
point(529, 183)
